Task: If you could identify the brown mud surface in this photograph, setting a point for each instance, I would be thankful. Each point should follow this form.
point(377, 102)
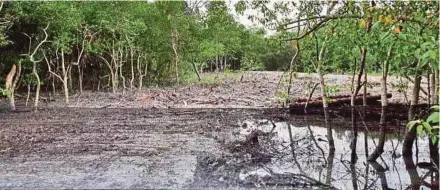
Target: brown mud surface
point(196, 149)
point(145, 146)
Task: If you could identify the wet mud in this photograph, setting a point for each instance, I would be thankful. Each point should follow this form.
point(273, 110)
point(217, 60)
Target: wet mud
point(207, 148)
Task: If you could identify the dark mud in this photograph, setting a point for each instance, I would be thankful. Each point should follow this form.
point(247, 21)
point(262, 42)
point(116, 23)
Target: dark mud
point(204, 148)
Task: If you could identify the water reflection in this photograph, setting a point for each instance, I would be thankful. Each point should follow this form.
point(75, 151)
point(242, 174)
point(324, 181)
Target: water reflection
point(354, 153)
point(339, 161)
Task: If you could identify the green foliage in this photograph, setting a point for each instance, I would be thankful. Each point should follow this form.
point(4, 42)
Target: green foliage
point(332, 90)
point(4, 92)
point(429, 126)
point(282, 96)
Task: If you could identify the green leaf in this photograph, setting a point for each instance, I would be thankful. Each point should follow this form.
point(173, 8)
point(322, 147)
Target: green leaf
point(437, 108)
point(411, 124)
point(434, 139)
point(419, 130)
point(433, 118)
point(427, 127)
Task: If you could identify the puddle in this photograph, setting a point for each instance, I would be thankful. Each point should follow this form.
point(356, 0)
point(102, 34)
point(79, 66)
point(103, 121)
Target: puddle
point(326, 156)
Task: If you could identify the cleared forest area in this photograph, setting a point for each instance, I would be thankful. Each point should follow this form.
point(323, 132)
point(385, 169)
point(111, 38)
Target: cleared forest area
point(183, 94)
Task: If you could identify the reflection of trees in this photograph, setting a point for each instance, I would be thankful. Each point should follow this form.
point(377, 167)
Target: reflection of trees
point(353, 146)
point(416, 181)
point(367, 167)
point(331, 145)
point(293, 148)
point(380, 171)
point(412, 172)
point(379, 148)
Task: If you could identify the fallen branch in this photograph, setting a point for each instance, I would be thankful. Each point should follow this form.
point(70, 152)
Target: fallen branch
point(310, 95)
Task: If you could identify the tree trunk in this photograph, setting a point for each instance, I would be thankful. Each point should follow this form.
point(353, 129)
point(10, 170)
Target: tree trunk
point(225, 60)
point(197, 72)
point(408, 142)
point(140, 73)
point(437, 87)
point(132, 70)
point(11, 83)
point(365, 87)
point(28, 94)
point(37, 90)
point(216, 64)
point(80, 78)
point(112, 73)
point(65, 78)
point(291, 71)
point(14, 86)
point(383, 90)
point(358, 81)
point(323, 94)
point(415, 95)
point(385, 66)
point(174, 42)
point(54, 90)
point(69, 76)
point(434, 85)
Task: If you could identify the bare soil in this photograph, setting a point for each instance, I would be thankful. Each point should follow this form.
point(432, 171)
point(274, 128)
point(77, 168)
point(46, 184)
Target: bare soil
point(256, 90)
point(104, 140)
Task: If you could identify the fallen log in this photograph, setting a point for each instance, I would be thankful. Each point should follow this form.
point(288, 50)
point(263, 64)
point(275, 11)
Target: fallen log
point(337, 101)
point(330, 97)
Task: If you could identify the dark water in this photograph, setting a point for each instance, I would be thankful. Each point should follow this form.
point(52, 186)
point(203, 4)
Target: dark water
point(334, 151)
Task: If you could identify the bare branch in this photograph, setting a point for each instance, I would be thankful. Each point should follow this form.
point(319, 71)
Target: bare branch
point(321, 24)
point(49, 69)
point(31, 57)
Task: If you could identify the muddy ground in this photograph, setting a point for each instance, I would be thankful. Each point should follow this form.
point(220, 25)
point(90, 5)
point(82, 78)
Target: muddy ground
point(256, 89)
point(133, 141)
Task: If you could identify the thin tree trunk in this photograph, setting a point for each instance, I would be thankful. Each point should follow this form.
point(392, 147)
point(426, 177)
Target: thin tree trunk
point(112, 74)
point(385, 66)
point(65, 78)
point(132, 69)
point(434, 84)
point(225, 60)
point(80, 79)
point(323, 94)
point(358, 81)
point(415, 95)
point(69, 76)
point(174, 42)
point(140, 74)
point(28, 94)
point(353, 76)
point(13, 86)
point(37, 90)
point(436, 87)
point(197, 72)
point(364, 97)
point(53, 86)
point(216, 64)
point(310, 96)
